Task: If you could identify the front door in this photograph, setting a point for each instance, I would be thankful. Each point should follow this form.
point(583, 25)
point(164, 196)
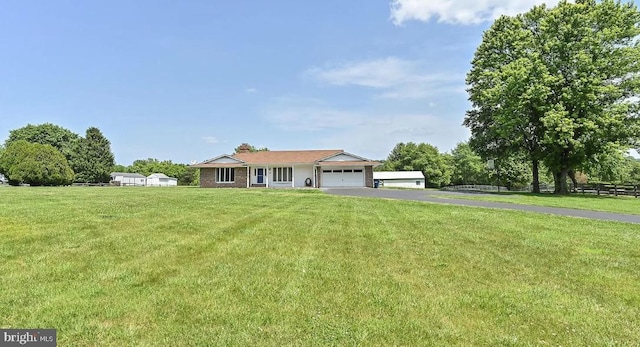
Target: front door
point(260, 175)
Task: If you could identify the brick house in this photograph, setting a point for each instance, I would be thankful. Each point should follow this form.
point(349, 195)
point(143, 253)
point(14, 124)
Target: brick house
point(286, 169)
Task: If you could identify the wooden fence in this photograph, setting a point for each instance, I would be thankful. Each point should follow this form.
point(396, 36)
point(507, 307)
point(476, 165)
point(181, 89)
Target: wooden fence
point(594, 188)
point(608, 189)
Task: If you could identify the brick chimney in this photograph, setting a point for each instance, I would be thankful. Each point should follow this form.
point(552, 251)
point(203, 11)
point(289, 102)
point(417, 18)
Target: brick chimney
point(244, 148)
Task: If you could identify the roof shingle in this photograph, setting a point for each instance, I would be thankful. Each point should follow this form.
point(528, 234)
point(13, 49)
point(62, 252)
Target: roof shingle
point(286, 157)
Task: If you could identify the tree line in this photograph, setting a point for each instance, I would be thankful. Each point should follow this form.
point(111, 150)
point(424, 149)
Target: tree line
point(187, 176)
point(558, 87)
point(48, 154)
point(464, 166)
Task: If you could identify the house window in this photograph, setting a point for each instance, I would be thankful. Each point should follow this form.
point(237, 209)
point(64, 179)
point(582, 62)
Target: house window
point(357, 170)
point(225, 175)
point(418, 183)
point(282, 174)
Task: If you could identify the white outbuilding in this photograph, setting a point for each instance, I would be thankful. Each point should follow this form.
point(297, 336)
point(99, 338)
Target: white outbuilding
point(399, 179)
point(128, 179)
point(161, 180)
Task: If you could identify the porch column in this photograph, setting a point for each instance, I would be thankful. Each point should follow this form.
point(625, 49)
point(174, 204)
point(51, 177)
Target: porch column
point(266, 176)
point(248, 176)
point(293, 176)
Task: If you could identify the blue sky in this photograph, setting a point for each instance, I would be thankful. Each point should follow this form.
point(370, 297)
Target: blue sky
point(189, 80)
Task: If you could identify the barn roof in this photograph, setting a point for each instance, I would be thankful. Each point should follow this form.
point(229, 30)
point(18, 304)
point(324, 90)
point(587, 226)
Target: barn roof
point(127, 174)
point(158, 175)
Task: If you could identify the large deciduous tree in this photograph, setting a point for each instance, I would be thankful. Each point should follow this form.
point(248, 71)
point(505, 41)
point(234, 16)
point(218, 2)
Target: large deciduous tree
point(62, 139)
point(557, 85)
point(35, 164)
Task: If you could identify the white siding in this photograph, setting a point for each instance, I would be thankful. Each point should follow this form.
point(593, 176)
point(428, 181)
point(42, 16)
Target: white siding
point(301, 173)
point(403, 183)
point(131, 181)
point(162, 182)
point(342, 157)
point(225, 160)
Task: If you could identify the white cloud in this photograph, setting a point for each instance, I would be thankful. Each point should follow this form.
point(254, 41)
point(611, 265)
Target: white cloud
point(251, 90)
point(296, 114)
point(398, 78)
point(210, 139)
point(382, 73)
point(459, 11)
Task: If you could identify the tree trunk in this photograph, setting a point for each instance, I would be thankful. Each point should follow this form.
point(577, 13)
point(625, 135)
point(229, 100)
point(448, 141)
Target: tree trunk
point(536, 176)
point(560, 181)
point(572, 175)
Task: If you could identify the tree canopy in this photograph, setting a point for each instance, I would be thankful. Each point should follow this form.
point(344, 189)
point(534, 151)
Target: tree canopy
point(186, 175)
point(250, 148)
point(557, 85)
point(35, 164)
point(468, 167)
point(90, 157)
point(420, 157)
point(63, 139)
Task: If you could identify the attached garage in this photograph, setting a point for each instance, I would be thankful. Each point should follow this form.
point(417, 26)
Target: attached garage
point(342, 177)
point(291, 169)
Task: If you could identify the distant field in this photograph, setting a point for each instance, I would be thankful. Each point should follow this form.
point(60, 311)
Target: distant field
point(604, 203)
point(207, 267)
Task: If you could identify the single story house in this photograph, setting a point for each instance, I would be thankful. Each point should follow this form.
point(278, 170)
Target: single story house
point(161, 180)
point(400, 179)
point(286, 169)
point(128, 179)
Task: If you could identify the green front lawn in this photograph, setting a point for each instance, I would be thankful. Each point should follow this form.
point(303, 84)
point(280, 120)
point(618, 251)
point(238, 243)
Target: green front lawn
point(604, 203)
point(206, 267)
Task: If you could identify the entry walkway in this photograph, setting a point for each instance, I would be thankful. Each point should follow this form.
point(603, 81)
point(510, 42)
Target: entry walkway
point(421, 195)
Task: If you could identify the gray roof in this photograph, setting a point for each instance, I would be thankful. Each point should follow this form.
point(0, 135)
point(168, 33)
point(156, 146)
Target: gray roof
point(160, 175)
point(127, 174)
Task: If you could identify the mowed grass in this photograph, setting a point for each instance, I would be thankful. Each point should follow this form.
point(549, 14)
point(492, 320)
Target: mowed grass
point(207, 267)
point(604, 203)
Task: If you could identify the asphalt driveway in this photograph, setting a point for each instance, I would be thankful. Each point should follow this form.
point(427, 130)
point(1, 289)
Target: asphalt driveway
point(427, 196)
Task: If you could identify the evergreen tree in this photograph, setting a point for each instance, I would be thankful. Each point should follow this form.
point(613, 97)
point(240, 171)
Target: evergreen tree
point(94, 160)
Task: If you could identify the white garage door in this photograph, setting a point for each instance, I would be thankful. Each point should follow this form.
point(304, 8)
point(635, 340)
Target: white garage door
point(342, 178)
